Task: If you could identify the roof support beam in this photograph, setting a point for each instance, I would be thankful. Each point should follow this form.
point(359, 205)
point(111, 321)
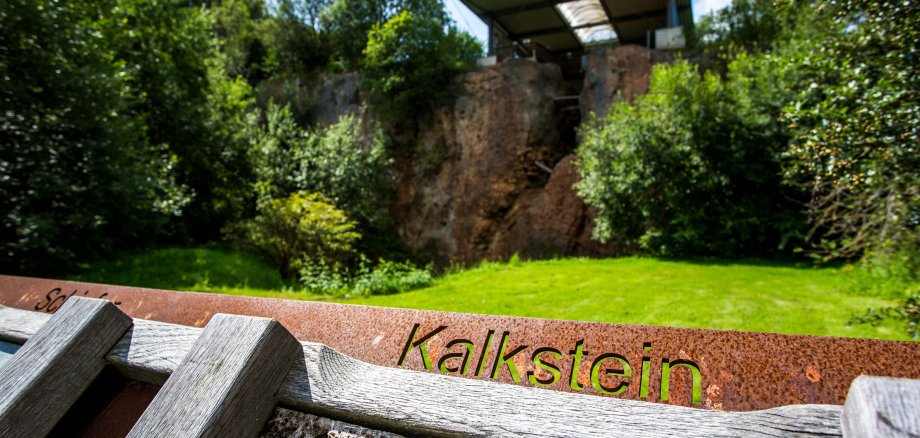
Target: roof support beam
point(555, 30)
point(610, 17)
point(645, 15)
point(528, 7)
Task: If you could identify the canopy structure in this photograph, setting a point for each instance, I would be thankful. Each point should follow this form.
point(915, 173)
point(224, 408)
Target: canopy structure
point(567, 27)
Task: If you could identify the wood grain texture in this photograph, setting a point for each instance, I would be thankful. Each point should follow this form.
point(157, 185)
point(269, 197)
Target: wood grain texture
point(882, 407)
point(333, 385)
point(53, 368)
point(226, 384)
point(19, 325)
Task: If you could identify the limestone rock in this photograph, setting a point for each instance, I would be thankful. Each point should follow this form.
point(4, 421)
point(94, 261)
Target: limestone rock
point(615, 73)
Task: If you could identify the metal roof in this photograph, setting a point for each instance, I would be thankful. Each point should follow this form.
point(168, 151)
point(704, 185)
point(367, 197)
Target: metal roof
point(565, 25)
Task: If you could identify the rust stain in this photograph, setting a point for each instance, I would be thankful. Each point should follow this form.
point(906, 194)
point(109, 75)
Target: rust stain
point(812, 374)
point(739, 371)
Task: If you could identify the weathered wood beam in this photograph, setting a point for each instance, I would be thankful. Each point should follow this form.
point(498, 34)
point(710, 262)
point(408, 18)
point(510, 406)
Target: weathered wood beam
point(226, 384)
point(336, 386)
point(882, 407)
point(19, 325)
point(57, 363)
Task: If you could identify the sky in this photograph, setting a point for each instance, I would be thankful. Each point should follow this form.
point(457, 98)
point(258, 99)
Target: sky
point(468, 21)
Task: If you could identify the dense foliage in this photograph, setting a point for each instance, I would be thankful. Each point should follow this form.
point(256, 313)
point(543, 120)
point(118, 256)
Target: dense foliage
point(693, 167)
point(349, 166)
point(384, 277)
point(300, 229)
point(742, 26)
point(131, 122)
point(78, 175)
point(410, 59)
point(827, 92)
point(858, 118)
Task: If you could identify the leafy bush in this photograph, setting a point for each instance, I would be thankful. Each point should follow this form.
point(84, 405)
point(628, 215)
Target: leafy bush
point(390, 277)
point(691, 168)
point(907, 311)
point(409, 61)
point(386, 277)
point(300, 229)
point(345, 164)
point(857, 112)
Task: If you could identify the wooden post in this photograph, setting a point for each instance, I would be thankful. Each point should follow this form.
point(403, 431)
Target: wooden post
point(50, 372)
point(226, 385)
point(882, 407)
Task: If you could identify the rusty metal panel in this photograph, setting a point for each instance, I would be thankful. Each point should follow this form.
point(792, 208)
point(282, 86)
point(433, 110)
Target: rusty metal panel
point(709, 369)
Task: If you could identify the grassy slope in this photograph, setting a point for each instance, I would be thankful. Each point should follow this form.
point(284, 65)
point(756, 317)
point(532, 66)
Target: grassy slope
point(740, 296)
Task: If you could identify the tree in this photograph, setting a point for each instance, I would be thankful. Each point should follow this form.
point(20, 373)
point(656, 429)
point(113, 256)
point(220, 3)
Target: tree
point(348, 22)
point(691, 168)
point(236, 23)
point(294, 45)
point(858, 119)
point(191, 109)
point(410, 60)
point(743, 25)
point(349, 166)
point(77, 176)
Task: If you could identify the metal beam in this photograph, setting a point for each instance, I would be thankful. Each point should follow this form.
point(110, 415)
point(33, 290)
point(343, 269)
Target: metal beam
point(610, 17)
point(555, 30)
point(646, 15)
point(528, 7)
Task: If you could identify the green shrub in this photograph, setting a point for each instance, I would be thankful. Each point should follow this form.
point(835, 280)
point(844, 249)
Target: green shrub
point(386, 277)
point(907, 311)
point(347, 164)
point(302, 228)
point(691, 168)
point(391, 277)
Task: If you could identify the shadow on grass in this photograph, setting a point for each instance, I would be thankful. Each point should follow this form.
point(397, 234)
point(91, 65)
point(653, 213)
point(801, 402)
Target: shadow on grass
point(182, 269)
point(751, 261)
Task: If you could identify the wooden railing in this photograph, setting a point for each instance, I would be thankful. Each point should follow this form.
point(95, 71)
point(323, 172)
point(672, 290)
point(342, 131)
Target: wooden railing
point(224, 379)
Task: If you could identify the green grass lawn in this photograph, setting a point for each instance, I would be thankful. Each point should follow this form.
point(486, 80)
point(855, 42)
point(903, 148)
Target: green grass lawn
point(752, 296)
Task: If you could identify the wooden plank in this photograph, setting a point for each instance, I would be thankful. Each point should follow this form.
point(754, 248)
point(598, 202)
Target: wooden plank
point(226, 385)
point(882, 407)
point(19, 326)
point(47, 375)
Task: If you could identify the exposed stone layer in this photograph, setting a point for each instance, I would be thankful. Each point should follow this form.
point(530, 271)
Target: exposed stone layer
point(615, 73)
point(492, 173)
point(481, 185)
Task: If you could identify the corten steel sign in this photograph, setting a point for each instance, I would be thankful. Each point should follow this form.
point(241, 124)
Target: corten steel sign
point(709, 369)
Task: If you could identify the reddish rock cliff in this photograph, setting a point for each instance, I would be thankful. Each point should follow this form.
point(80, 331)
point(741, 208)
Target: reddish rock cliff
point(479, 184)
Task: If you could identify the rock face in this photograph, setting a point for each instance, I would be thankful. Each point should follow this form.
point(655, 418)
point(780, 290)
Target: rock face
point(481, 186)
point(615, 73)
point(492, 174)
point(334, 95)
